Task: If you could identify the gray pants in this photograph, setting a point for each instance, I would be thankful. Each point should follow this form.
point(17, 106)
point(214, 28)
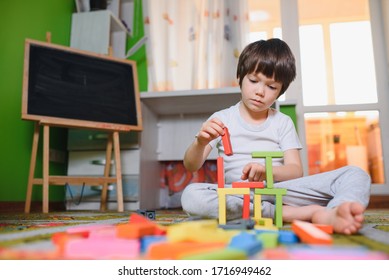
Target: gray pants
point(328, 189)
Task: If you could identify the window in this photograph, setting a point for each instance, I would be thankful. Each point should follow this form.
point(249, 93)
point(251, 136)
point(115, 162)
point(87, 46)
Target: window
point(337, 67)
point(345, 138)
point(342, 73)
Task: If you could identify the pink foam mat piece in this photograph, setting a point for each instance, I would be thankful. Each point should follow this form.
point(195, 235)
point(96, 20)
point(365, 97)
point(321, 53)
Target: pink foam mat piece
point(106, 248)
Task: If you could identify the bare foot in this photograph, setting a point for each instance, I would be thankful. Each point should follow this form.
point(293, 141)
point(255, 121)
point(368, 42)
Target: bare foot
point(346, 218)
point(303, 213)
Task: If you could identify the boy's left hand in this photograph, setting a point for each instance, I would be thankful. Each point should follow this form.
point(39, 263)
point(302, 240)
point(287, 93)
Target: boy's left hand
point(254, 172)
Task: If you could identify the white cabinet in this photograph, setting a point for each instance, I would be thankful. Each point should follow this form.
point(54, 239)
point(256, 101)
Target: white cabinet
point(87, 158)
point(98, 31)
point(91, 163)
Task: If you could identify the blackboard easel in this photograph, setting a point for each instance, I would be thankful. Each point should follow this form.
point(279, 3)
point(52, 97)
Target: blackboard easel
point(71, 88)
point(113, 144)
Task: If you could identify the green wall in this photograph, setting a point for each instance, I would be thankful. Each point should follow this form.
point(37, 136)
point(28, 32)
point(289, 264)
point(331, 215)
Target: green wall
point(290, 110)
point(23, 19)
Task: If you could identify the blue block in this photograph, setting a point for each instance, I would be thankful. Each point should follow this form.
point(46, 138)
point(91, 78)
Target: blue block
point(246, 242)
point(148, 240)
point(287, 237)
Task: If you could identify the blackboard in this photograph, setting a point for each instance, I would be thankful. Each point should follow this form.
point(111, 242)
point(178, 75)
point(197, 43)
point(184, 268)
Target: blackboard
point(68, 87)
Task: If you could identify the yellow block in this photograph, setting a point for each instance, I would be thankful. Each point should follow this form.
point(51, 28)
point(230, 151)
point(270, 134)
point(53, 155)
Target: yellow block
point(199, 231)
point(222, 193)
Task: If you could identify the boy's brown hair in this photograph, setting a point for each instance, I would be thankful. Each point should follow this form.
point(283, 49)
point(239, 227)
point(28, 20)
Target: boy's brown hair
point(273, 58)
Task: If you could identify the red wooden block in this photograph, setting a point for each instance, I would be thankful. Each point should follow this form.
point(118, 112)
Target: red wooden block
point(246, 206)
point(250, 185)
point(227, 142)
point(220, 172)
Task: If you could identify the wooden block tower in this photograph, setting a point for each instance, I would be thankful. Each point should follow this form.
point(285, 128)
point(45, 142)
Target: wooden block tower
point(243, 188)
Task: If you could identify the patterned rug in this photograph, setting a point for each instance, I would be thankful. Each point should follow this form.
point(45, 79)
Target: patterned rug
point(29, 230)
point(23, 236)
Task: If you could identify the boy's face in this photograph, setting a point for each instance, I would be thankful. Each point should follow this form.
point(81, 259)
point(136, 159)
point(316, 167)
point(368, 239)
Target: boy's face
point(259, 92)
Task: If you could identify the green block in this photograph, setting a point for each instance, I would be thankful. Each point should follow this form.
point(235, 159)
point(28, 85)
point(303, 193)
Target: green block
point(278, 193)
point(270, 191)
point(220, 254)
point(269, 164)
point(269, 239)
point(276, 154)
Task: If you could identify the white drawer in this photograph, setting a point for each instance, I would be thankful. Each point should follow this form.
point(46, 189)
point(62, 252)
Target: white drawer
point(82, 163)
point(79, 194)
point(89, 140)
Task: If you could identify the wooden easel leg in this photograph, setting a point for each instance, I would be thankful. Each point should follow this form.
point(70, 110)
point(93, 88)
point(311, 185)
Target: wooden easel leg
point(119, 186)
point(34, 152)
point(45, 175)
point(107, 168)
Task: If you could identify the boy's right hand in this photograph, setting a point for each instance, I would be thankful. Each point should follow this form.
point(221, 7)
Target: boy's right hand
point(210, 130)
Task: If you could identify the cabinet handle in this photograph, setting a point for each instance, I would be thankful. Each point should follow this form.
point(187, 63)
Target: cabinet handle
point(100, 162)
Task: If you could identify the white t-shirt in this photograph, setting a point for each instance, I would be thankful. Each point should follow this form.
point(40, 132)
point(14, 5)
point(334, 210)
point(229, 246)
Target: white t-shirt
point(277, 133)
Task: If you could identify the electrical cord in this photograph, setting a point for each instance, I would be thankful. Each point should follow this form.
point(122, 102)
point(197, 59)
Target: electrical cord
point(72, 196)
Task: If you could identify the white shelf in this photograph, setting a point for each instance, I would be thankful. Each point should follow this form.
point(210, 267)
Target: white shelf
point(190, 101)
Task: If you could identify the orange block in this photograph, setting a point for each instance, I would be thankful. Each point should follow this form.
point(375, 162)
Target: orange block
point(134, 231)
point(60, 239)
point(276, 254)
point(139, 219)
point(227, 142)
point(326, 228)
point(310, 234)
point(177, 250)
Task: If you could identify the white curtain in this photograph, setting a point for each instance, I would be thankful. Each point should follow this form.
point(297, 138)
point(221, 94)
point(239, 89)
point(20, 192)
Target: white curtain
point(194, 44)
